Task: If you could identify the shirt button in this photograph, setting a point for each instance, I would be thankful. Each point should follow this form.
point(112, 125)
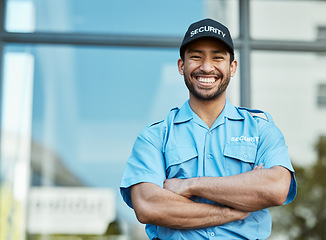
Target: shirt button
point(209, 156)
point(245, 156)
point(212, 234)
point(210, 132)
point(176, 158)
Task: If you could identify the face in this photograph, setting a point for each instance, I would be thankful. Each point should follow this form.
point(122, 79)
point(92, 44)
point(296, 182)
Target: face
point(207, 69)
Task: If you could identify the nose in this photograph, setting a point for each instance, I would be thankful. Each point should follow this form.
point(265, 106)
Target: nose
point(207, 66)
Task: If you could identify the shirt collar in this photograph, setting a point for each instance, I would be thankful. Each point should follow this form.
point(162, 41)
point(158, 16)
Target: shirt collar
point(231, 111)
point(186, 113)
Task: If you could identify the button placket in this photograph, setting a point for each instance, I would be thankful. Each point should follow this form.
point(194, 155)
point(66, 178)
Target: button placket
point(208, 155)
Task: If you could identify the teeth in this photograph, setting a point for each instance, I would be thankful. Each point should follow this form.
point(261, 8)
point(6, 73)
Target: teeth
point(206, 80)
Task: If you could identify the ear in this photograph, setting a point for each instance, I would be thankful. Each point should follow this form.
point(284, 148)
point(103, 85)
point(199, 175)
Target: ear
point(233, 67)
point(180, 66)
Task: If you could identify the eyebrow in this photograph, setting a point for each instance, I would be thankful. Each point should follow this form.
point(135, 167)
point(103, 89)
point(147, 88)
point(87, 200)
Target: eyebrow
point(214, 51)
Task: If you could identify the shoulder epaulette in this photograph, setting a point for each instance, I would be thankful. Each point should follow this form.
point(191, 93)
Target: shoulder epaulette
point(256, 113)
point(259, 114)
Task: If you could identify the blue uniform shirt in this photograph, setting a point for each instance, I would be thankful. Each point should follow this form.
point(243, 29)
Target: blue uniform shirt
point(182, 146)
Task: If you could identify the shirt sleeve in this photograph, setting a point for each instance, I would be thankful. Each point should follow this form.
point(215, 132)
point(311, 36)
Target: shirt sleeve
point(146, 164)
point(272, 151)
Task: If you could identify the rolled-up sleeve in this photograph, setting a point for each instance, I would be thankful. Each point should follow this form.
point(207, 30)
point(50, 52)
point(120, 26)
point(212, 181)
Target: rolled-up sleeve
point(146, 164)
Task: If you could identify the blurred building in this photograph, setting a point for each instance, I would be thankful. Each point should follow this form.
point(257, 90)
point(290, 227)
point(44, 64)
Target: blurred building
point(80, 79)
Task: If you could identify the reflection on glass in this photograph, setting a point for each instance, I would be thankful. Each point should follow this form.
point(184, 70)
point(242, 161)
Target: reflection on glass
point(16, 114)
point(287, 20)
point(145, 17)
point(285, 84)
point(224, 11)
point(20, 16)
point(102, 16)
point(86, 105)
point(89, 104)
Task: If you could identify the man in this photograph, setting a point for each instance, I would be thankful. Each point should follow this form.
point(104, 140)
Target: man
point(209, 170)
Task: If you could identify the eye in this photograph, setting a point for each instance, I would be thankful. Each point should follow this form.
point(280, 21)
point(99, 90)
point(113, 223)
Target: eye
point(218, 57)
point(195, 57)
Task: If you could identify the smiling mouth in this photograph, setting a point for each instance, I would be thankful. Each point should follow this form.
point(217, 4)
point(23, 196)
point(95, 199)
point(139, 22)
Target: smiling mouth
point(206, 79)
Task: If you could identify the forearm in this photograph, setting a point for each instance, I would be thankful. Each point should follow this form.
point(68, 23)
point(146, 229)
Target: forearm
point(157, 206)
point(251, 191)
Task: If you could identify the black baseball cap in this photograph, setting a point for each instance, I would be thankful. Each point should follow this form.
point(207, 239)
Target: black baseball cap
point(207, 28)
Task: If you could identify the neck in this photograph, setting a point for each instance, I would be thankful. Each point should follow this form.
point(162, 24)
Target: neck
point(208, 110)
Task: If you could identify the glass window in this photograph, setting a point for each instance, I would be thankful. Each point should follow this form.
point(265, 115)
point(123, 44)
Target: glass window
point(16, 116)
point(70, 114)
point(147, 17)
point(225, 11)
point(287, 20)
point(88, 106)
point(101, 16)
point(284, 84)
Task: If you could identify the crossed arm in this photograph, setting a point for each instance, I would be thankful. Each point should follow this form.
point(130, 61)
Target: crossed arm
point(171, 207)
point(250, 191)
point(158, 206)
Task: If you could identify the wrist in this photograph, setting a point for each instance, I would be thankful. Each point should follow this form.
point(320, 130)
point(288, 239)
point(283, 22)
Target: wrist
point(191, 186)
point(237, 215)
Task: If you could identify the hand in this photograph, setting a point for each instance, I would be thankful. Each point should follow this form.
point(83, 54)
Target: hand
point(179, 186)
point(182, 187)
point(260, 166)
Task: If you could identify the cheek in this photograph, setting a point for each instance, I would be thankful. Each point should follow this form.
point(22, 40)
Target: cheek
point(225, 69)
point(190, 71)
point(190, 66)
point(187, 71)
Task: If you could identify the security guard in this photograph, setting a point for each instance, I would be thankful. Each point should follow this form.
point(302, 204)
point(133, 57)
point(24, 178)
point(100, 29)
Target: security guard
point(209, 170)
